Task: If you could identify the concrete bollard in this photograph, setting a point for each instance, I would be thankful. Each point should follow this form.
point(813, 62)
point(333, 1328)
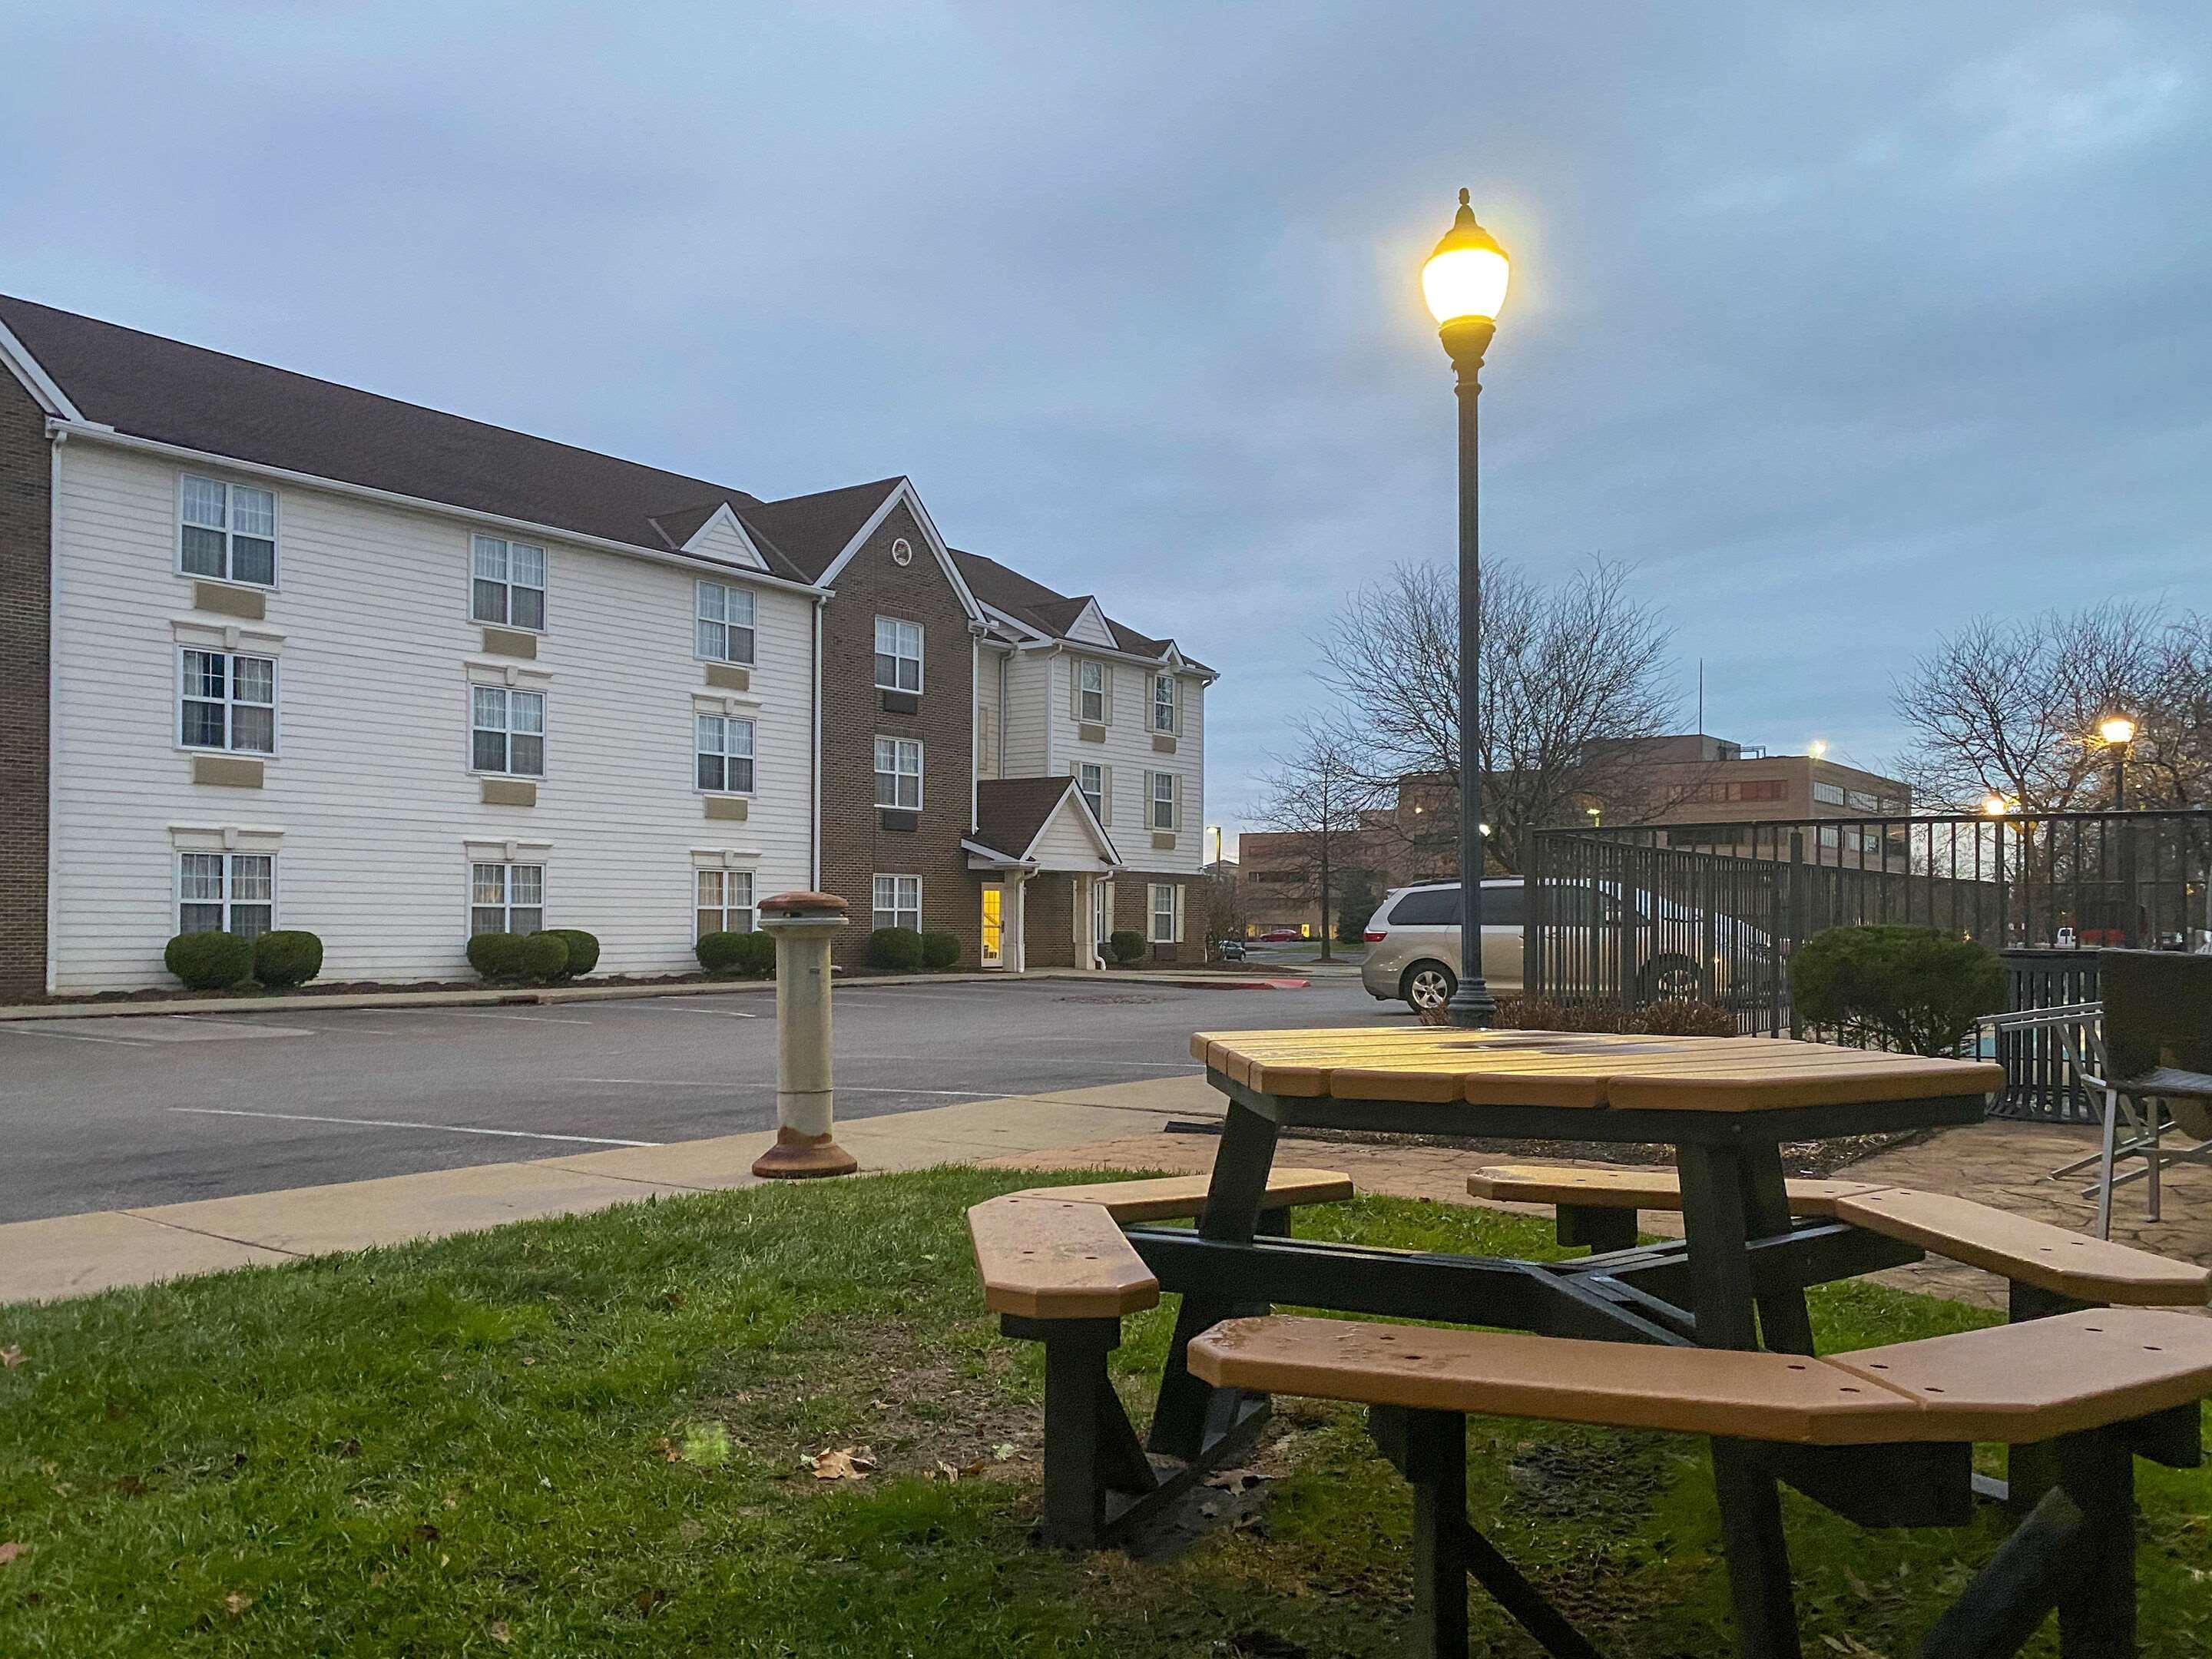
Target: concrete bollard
point(803, 924)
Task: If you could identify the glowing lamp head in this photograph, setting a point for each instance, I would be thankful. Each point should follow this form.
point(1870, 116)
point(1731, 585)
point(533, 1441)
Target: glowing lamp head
point(1817, 748)
point(1994, 807)
point(2117, 730)
point(1464, 279)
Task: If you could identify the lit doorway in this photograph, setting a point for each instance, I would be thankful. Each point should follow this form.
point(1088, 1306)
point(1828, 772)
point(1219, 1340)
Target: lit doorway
point(995, 933)
point(1101, 917)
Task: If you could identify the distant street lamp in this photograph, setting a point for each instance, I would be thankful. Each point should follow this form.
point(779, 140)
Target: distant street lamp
point(1995, 806)
point(1464, 283)
point(2118, 732)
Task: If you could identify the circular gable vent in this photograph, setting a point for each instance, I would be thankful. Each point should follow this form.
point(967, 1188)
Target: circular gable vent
point(902, 551)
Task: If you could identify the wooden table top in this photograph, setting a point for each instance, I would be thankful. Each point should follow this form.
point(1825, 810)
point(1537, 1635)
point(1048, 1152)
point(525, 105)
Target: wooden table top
point(1444, 1064)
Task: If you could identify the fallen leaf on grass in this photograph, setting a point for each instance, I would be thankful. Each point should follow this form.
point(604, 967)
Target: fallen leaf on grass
point(10, 1357)
point(500, 1632)
point(647, 1600)
point(706, 1445)
point(236, 1602)
point(10, 1550)
point(847, 1463)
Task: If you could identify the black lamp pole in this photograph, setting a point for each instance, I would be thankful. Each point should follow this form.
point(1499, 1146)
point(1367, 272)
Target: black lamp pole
point(1466, 338)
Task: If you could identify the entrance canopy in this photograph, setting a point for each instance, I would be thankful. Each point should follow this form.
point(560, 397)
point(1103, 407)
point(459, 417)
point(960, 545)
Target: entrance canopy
point(1031, 824)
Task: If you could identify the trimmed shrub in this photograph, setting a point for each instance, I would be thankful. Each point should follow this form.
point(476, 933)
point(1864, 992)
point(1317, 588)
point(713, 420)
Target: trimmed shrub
point(543, 958)
point(1126, 945)
point(940, 950)
point(287, 957)
point(583, 951)
point(896, 948)
point(1660, 1019)
point(1917, 990)
point(209, 962)
point(751, 955)
point(496, 956)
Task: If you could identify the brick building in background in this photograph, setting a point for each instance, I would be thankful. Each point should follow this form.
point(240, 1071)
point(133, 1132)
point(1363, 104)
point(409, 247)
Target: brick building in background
point(1683, 778)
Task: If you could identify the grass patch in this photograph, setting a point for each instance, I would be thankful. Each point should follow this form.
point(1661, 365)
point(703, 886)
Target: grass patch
point(585, 1437)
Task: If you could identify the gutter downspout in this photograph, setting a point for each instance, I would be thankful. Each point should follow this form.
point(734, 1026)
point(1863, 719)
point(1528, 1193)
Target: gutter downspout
point(54, 709)
point(814, 767)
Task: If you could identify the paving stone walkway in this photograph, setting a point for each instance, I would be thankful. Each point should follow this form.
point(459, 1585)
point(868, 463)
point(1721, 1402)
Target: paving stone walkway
point(2001, 1163)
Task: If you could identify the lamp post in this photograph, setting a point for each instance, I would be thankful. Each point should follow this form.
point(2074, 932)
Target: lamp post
point(2118, 732)
point(1464, 283)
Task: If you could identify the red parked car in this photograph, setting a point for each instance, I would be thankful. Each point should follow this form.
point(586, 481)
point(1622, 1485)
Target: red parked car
point(1280, 936)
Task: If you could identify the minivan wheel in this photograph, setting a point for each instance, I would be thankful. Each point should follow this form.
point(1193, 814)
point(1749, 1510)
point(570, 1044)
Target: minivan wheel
point(1673, 979)
point(1428, 985)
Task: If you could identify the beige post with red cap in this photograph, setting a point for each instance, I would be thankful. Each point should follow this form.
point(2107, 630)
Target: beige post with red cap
point(803, 924)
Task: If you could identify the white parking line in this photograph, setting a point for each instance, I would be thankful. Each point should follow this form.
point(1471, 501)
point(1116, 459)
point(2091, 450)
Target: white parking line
point(661, 1082)
point(392, 1123)
point(953, 1094)
point(530, 1019)
point(711, 1014)
point(68, 1037)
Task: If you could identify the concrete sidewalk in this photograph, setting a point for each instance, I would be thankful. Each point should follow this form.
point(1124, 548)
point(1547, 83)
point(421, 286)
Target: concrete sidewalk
point(76, 1254)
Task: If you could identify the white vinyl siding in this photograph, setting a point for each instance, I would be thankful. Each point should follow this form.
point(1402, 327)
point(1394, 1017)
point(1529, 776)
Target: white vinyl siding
point(723, 622)
point(725, 755)
point(226, 700)
point(723, 902)
point(506, 898)
point(506, 730)
point(227, 531)
point(379, 812)
point(227, 892)
point(898, 655)
point(1045, 735)
point(898, 774)
point(1091, 777)
point(506, 586)
point(897, 901)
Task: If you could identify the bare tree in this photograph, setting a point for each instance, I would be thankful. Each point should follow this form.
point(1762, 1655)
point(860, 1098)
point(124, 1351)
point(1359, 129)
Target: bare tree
point(2010, 708)
point(1576, 686)
point(1315, 795)
point(2172, 755)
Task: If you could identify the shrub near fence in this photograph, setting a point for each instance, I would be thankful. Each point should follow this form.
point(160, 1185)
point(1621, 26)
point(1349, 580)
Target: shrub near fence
point(1917, 990)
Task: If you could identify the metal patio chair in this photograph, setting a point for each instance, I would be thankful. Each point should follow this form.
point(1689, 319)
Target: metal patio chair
point(2147, 1050)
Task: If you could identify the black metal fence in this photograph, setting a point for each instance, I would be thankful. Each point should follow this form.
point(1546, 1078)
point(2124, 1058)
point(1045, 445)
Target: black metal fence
point(1714, 910)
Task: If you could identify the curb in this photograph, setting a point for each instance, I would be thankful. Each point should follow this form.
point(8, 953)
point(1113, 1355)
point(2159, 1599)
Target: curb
point(496, 997)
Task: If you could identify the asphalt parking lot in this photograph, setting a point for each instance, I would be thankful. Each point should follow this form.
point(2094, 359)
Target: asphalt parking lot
point(159, 1107)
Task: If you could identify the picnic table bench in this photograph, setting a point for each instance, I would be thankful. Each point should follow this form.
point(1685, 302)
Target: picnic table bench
point(1676, 1325)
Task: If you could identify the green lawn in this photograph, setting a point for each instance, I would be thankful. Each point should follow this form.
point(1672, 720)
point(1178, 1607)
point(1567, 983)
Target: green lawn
point(585, 1437)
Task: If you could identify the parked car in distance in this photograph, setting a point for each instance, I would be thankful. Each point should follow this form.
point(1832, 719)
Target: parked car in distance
point(1279, 936)
point(1414, 940)
point(1229, 949)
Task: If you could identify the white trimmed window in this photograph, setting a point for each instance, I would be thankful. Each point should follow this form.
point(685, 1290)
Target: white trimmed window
point(506, 898)
point(724, 750)
point(506, 730)
point(1090, 701)
point(898, 655)
point(507, 583)
point(1163, 702)
point(725, 623)
point(898, 773)
point(225, 892)
point(1161, 800)
point(227, 700)
point(725, 900)
point(1166, 912)
point(1091, 779)
point(228, 532)
point(898, 902)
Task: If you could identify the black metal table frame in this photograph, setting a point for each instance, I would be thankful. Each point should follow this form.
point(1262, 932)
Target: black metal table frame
point(1737, 1279)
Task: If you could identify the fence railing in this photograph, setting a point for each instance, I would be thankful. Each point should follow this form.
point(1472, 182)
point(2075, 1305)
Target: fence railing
point(1715, 910)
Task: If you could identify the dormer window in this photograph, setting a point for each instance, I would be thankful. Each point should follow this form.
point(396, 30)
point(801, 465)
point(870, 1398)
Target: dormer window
point(1090, 692)
point(1163, 702)
point(228, 532)
point(898, 655)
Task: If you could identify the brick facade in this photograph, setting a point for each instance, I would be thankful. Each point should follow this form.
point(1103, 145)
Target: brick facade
point(1132, 900)
point(26, 646)
point(855, 846)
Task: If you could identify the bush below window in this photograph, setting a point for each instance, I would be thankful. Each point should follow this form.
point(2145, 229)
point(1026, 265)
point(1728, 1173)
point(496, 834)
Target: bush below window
point(496, 956)
point(287, 957)
point(543, 958)
point(583, 951)
point(1917, 990)
point(1127, 945)
point(940, 950)
point(896, 948)
point(750, 955)
point(209, 961)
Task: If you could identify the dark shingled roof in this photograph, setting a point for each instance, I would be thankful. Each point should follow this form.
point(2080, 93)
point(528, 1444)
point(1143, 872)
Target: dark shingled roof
point(148, 386)
point(1009, 812)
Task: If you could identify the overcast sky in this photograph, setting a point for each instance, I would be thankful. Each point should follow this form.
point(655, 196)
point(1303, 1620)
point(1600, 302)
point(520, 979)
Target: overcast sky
point(1841, 322)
